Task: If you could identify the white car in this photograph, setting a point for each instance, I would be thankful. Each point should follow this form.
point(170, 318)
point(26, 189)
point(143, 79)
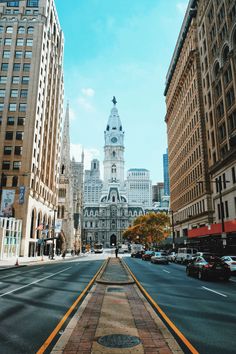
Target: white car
point(231, 261)
point(171, 256)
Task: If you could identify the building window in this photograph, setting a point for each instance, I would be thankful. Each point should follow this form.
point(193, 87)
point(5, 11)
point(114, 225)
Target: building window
point(15, 79)
point(23, 93)
point(21, 30)
point(14, 93)
point(12, 107)
point(28, 55)
point(7, 150)
point(3, 79)
point(15, 181)
point(26, 67)
point(19, 135)
point(32, 3)
point(4, 66)
point(8, 135)
point(7, 41)
point(20, 42)
point(18, 54)
point(21, 121)
point(29, 42)
point(30, 30)
point(16, 67)
point(9, 29)
point(6, 165)
point(16, 165)
point(22, 107)
point(10, 120)
point(230, 97)
point(25, 80)
point(18, 150)
point(1, 29)
point(6, 54)
point(233, 175)
point(2, 93)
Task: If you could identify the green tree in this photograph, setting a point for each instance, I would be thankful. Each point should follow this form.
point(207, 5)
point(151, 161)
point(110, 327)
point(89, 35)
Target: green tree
point(148, 229)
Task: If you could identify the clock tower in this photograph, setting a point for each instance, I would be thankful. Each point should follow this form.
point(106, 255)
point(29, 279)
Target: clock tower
point(114, 151)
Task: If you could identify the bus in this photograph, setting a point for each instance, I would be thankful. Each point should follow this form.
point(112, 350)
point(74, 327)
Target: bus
point(98, 248)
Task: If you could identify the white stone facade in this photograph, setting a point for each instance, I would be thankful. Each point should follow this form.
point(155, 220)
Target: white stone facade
point(139, 187)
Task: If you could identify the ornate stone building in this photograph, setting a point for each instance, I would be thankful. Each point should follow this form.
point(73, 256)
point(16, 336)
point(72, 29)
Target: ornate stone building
point(65, 208)
point(106, 218)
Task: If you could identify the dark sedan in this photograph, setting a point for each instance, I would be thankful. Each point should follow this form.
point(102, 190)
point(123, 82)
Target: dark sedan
point(147, 255)
point(208, 267)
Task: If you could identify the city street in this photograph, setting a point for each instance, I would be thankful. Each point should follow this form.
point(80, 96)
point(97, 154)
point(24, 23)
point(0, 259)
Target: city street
point(202, 310)
point(33, 300)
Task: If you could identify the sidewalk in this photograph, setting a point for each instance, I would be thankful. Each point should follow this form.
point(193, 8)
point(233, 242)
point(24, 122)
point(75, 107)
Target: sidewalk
point(23, 261)
point(115, 318)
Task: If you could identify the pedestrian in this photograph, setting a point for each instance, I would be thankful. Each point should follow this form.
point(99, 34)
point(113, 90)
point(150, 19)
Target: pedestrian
point(116, 251)
point(63, 254)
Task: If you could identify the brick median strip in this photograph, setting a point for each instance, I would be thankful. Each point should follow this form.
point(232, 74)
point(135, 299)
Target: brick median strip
point(116, 312)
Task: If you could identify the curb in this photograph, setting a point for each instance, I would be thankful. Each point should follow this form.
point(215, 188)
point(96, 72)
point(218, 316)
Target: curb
point(13, 267)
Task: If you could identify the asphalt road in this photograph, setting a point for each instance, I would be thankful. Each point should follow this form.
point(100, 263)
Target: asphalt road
point(204, 311)
point(33, 300)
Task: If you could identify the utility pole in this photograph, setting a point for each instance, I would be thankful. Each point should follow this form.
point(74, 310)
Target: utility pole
point(173, 229)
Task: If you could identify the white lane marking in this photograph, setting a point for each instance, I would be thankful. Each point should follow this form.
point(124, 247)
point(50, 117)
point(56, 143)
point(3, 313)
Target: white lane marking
point(164, 270)
point(35, 282)
point(13, 274)
point(213, 291)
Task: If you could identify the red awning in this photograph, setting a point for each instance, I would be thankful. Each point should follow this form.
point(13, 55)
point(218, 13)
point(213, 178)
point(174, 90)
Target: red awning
point(213, 229)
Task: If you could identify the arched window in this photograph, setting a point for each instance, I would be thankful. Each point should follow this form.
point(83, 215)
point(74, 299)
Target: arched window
point(113, 169)
point(30, 30)
point(21, 30)
point(9, 29)
point(225, 54)
point(113, 199)
point(62, 169)
point(113, 153)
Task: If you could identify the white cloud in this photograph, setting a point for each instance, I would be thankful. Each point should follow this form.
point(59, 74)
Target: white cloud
point(85, 104)
point(181, 7)
point(89, 154)
point(88, 92)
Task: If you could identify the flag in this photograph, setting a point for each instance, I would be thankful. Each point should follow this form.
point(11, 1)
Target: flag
point(40, 227)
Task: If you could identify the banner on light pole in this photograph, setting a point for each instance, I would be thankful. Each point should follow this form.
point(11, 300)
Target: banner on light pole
point(8, 196)
point(58, 225)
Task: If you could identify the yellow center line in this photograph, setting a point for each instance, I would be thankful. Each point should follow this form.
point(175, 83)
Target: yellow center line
point(64, 318)
point(162, 313)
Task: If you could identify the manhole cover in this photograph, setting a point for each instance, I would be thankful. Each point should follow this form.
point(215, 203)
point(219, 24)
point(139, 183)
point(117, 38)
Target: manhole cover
point(117, 290)
point(119, 341)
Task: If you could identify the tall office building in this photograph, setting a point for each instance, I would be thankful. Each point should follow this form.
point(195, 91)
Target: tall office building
point(216, 29)
point(201, 120)
point(166, 174)
point(139, 187)
point(157, 192)
point(187, 150)
point(31, 110)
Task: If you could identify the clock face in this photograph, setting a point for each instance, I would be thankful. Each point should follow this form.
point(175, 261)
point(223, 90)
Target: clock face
point(114, 139)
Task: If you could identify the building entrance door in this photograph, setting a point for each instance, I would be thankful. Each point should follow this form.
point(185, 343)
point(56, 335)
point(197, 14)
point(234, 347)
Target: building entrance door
point(113, 240)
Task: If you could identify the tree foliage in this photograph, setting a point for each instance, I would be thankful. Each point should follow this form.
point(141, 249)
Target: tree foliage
point(148, 229)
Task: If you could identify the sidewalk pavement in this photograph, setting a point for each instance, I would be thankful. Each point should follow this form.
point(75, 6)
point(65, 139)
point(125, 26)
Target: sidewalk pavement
point(14, 262)
point(115, 318)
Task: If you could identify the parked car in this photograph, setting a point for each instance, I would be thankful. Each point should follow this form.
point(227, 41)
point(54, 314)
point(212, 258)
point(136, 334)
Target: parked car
point(147, 255)
point(208, 267)
point(171, 256)
point(160, 258)
point(231, 261)
point(184, 255)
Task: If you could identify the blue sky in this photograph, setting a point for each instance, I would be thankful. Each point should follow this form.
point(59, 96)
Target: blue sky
point(119, 48)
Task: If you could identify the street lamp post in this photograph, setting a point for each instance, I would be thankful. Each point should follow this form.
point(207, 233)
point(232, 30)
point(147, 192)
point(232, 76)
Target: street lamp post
point(173, 228)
